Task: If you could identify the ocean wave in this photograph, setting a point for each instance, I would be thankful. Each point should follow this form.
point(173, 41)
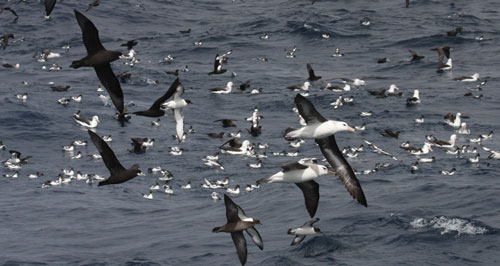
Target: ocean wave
point(319, 245)
point(460, 226)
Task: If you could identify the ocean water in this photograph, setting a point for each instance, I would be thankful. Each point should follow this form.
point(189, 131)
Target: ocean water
point(422, 218)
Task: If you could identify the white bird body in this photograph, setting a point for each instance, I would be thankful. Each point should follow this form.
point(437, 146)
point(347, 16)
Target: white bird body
point(298, 175)
point(319, 130)
point(303, 231)
point(175, 104)
point(86, 123)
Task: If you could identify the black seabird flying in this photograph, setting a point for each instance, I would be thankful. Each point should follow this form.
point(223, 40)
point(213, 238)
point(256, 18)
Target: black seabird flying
point(99, 58)
point(119, 174)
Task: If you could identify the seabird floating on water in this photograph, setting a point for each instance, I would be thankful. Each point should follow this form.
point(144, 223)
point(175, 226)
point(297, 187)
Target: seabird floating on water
point(415, 56)
point(443, 51)
point(472, 78)
point(82, 121)
point(415, 99)
point(226, 90)
point(310, 71)
point(217, 66)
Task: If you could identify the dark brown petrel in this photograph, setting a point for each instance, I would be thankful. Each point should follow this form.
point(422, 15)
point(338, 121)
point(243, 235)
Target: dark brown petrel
point(226, 122)
point(5, 39)
point(155, 110)
point(138, 145)
point(237, 222)
point(389, 133)
point(415, 56)
point(119, 174)
point(99, 58)
point(311, 77)
point(216, 135)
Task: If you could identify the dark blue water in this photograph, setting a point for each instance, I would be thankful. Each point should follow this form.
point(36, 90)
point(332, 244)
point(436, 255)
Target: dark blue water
point(413, 219)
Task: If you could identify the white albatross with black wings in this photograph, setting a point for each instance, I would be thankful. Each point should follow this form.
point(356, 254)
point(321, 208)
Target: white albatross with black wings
point(176, 105)
point(302, 174)
point(155, 109)
point(99, 58)
point(119, 174)
point(328, 146)
point(237, 222)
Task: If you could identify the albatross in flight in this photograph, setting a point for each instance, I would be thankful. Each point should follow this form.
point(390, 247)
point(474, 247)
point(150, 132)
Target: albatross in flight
point(322, 131)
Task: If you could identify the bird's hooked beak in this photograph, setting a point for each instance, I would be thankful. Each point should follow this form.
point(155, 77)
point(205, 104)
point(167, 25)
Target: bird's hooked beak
point(351, 129)
point(331, 172)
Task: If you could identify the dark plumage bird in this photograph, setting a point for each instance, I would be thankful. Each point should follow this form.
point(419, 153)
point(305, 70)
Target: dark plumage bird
point(5, 39)
point(378, 93)
point(11, 11)
point(454, 32)
point(389, 133)
point(60, 88)
point(255, 130)
point(138, 145)
point(310, 71)
point(216, 135)
point(237, 222)
point(99, 58)
point(382, 60)
point(442, 52)
point(175, 72)
point(119, 174)
point(330, 150)
point(217, 66)
point(155, 110)
point(130, 44)
point(415, 56)
point(49, 6)
point(234, 145)
point(185, 31)
point(93, 4)
point(245, 85)
point(226, 122)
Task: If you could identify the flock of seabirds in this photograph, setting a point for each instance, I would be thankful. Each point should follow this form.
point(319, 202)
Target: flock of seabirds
point(313, 126)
